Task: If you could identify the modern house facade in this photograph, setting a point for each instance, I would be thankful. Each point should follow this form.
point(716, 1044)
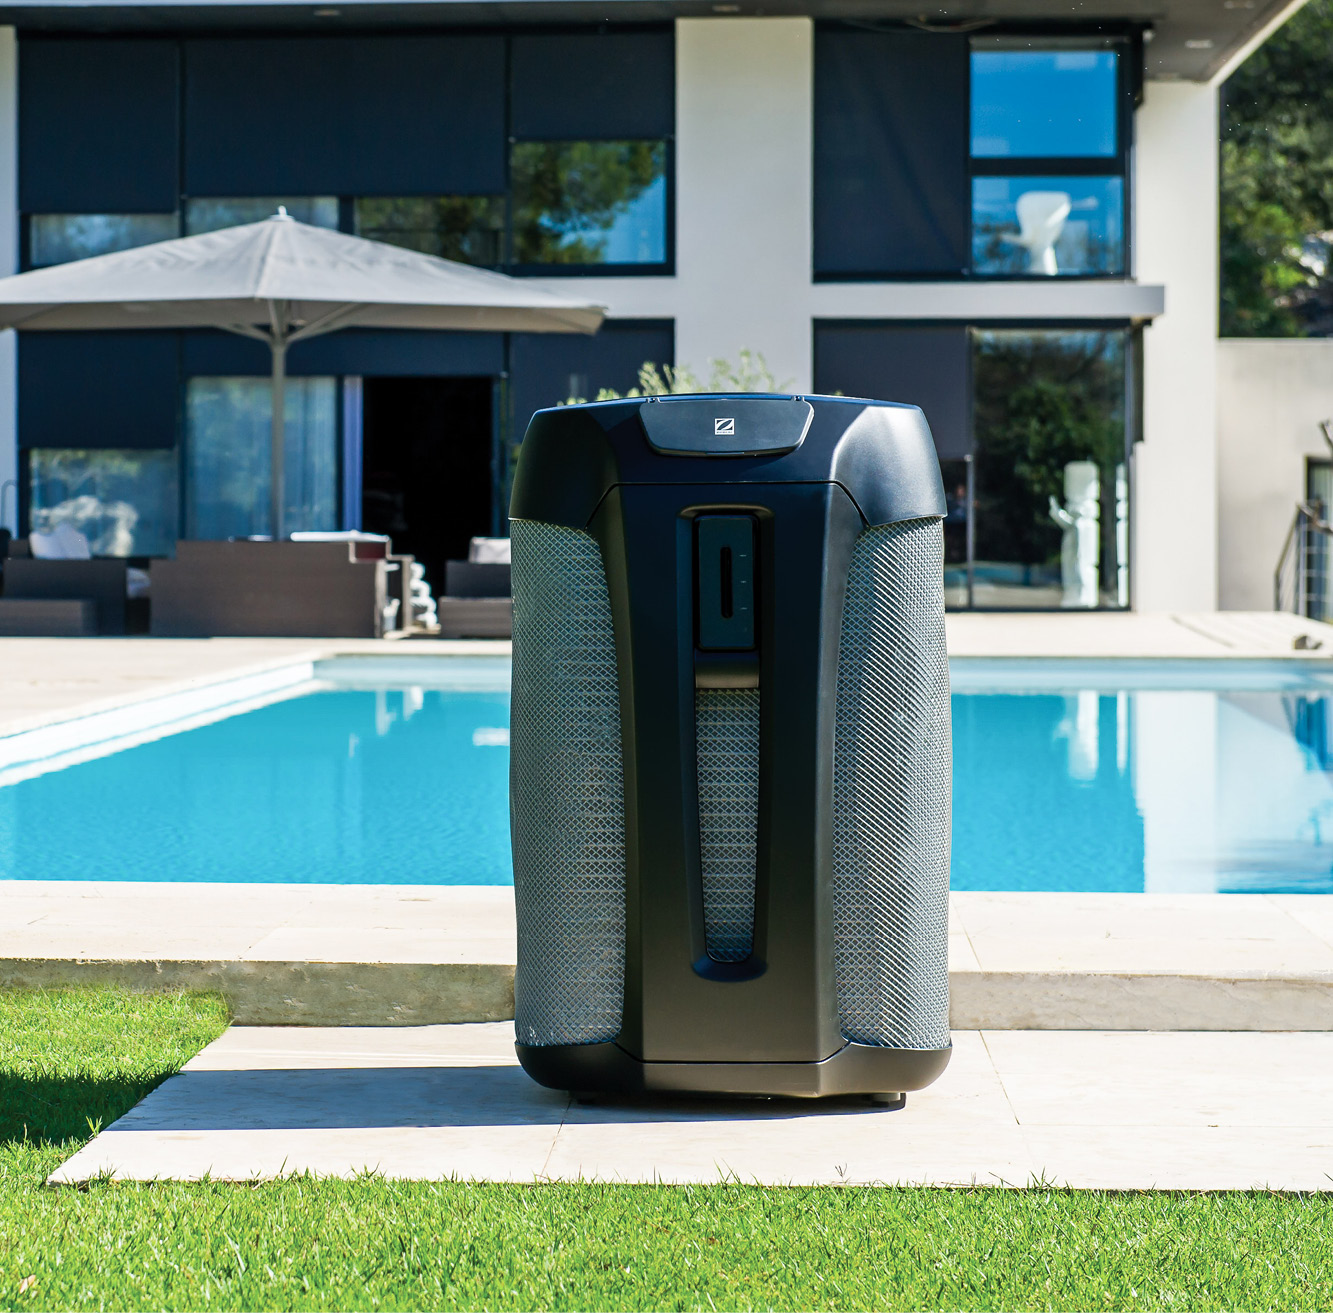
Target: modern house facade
point(1009, 221)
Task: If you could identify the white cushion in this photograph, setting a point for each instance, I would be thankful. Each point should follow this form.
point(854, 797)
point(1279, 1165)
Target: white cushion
point(488, 551)
point(63, 543)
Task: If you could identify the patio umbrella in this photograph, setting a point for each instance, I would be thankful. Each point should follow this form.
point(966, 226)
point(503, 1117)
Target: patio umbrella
point(282, 282)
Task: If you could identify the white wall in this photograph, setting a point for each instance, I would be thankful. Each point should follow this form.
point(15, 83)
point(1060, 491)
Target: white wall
point(743, 173)
point(8, 264)
point(1271, 396)
point(1175, 538)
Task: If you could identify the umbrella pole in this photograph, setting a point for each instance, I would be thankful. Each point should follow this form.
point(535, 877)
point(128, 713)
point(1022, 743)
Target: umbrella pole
point(278, 345)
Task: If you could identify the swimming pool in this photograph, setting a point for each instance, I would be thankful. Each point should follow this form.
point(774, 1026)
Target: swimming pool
point(1115, 776)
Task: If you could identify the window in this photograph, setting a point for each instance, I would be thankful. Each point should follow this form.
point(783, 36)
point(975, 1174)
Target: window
point(124, 502)
point(573, 203)
point(938, 155)
point(206, 214)
point(470, 229)
point(589, 202)
point(58, 238)
point(1049, 226)
point(1048, 161)
point(227, 436)
point(1051, 504)
point(1034, 104)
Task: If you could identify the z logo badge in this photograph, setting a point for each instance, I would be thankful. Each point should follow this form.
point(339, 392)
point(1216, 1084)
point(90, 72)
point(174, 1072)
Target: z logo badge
point(724, 428)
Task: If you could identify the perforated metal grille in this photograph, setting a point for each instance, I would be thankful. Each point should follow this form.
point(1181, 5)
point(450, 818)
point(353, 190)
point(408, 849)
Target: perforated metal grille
point(566, 791)
point(891, 791)
point(727, 752)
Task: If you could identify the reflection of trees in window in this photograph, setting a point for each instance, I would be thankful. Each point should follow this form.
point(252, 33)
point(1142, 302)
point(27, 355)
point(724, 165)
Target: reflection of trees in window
point(465, 228)
point(1043, 400)
point(569, 195)
point(123, 502)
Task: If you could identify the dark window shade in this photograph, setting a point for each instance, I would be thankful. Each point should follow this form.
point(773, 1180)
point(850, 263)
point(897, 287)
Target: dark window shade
point(98, 126)
point(370, 352)
point(98, 390)
point(925, 366)
point(364, 116)
point(891, 186)
point(613, 86)
point(546, 367)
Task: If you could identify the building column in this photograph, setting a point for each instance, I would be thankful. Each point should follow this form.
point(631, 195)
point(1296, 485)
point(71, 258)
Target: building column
point(743, 187)
point(9, 254)
point(1175, 467)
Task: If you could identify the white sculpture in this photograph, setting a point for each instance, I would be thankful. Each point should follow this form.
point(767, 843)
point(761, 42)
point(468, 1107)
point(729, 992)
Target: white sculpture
point(1041, 220)
point(1080, 551)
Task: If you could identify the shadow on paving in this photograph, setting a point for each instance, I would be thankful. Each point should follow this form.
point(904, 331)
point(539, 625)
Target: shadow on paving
point(358, 1098)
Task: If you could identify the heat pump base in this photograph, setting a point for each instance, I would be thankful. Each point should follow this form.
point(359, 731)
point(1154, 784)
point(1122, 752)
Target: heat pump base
point(853, 1069)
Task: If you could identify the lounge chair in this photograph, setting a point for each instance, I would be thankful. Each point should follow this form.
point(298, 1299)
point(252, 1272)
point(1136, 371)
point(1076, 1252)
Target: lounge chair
point(477, 601)
point(58, 567)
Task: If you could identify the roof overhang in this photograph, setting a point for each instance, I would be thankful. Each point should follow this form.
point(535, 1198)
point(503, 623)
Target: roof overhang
point(1190, 40)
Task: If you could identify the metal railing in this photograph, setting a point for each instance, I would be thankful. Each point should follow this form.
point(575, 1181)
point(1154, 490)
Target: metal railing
point(1301, 582)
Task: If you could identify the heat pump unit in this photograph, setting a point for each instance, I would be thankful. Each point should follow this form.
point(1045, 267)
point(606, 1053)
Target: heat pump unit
point(730, 770)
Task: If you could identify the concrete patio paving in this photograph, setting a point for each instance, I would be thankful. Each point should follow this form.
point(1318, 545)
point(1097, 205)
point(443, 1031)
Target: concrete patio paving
point(46, 680)
point(1089, 1109)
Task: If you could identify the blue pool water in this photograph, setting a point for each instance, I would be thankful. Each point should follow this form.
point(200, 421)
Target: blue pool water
point(1066, 777)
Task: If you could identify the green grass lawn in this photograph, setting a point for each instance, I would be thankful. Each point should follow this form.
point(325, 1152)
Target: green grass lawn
point(70, 1061)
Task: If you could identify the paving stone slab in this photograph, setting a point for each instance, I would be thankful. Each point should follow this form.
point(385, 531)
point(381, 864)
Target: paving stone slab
point(1106, 1110)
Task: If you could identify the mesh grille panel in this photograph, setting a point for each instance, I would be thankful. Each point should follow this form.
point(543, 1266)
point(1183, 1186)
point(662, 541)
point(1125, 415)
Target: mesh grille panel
point(727, 737)
point(891, 785)
point(566, 792)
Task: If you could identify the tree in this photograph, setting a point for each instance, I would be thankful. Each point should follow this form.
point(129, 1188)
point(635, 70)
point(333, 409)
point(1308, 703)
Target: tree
point(1277, 184)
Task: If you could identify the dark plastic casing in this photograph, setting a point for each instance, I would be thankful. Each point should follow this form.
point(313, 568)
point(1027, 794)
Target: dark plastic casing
point(620, 471)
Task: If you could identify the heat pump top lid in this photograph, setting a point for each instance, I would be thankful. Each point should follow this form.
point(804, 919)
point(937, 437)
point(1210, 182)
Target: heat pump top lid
point(880, 453)
point(725, 425)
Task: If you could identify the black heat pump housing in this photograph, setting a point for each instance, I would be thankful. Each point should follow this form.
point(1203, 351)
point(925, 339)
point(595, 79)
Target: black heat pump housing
point(730, 765)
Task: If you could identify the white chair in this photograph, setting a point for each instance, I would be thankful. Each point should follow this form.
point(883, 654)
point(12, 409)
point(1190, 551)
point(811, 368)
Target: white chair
point(1041, 220)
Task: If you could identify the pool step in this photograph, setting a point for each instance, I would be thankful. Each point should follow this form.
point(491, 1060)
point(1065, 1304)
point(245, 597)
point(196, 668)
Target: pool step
point(417, 994)
point(386, 955)
point(298, 993)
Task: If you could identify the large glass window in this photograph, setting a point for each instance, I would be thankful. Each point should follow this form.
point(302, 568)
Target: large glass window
point(123, 502)
point(58, 238)
point(206, 214)
point(1044, 103)
point(589, 202)
point(1048, 161)
point(1051, 504)
point(227, 447)
point(470, 229)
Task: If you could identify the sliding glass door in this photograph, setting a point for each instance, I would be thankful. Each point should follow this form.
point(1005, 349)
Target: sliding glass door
point(1050, 510)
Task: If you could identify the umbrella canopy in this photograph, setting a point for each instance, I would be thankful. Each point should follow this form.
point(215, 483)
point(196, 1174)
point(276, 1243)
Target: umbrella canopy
point(282, 281)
